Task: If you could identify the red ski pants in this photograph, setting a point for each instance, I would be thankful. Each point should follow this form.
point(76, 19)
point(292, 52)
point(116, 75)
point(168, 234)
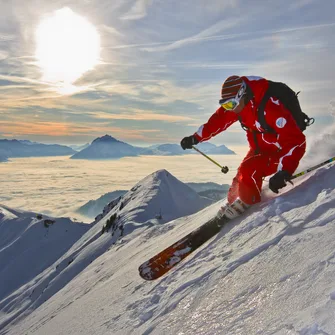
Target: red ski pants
point(247, 184)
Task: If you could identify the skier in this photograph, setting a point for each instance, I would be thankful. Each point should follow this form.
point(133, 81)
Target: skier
point(274, 128)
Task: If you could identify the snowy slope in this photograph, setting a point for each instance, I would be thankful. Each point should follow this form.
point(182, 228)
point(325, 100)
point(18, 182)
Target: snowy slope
point(270, 272)
point(29, 244)
point(160, 192)
point(158, 196)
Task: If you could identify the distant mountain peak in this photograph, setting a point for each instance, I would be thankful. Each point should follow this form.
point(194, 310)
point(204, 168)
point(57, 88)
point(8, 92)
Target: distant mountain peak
point(161, 174)
point(105, 139)
point(27, 142)
point(106, 147)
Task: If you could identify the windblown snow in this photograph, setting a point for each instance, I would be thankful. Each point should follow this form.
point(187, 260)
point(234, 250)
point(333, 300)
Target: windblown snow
point(271, 271)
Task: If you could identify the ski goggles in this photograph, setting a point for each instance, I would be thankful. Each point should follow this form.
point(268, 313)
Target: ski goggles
point(231, 103)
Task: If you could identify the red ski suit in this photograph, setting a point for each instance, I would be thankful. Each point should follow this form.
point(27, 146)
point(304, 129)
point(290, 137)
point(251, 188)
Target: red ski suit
point(268, 152)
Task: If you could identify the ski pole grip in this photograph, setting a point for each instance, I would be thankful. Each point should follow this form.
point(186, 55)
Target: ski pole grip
point(225, 169)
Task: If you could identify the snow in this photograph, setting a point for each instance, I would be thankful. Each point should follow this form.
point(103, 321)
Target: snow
point(26, 243)
point(160, 194)
point(93, 208)
point(271, 271)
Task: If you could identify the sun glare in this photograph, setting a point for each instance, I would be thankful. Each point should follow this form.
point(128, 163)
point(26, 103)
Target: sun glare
point(67, 46)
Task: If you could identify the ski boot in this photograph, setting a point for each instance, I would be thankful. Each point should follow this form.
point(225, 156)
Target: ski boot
point(233, 210)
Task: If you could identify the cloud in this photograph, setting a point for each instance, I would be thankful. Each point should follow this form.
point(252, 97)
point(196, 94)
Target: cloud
point(111, 30)
point(138, 10)
point(158, 92)
point(21, 129)
point(299, 4)
point(214, 65)
point(205, 35)
point(3, 55)
point(139, 115)
point(6, 37)
point(19, 79)
point(36, 128)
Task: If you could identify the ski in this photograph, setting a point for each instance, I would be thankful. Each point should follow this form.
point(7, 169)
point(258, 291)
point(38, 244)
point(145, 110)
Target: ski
point(168, 258)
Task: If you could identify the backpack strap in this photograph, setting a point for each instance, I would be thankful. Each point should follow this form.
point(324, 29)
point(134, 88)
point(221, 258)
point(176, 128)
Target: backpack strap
point(244, 127)
point(254, 134)
point(261, 110)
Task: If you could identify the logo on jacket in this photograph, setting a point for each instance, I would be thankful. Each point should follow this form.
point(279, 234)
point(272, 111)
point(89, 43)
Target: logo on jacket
point(280, 123)
point(275, 101)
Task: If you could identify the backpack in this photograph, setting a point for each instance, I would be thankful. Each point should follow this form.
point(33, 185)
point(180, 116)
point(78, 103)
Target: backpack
point(289, 99)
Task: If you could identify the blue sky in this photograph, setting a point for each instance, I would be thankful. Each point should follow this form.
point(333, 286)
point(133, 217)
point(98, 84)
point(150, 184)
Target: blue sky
point(161, 66)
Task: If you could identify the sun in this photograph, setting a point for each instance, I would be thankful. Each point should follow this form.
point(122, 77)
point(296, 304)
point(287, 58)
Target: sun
point(67, 45)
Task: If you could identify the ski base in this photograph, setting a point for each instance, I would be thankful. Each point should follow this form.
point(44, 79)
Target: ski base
point(168, 258)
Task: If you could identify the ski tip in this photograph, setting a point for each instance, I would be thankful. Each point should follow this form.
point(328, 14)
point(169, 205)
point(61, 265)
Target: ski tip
point(146, 273)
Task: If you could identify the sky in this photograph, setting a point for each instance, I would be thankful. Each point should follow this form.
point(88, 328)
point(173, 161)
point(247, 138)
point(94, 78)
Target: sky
point(150, 71)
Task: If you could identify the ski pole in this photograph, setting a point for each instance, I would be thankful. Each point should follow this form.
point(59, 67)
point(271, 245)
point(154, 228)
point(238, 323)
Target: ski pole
point(313, 168)
point(224, 169)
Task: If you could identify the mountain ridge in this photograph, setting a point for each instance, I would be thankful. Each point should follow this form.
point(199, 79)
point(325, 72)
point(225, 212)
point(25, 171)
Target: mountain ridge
point(108, 147)
point(104, 147)
point(24, 148)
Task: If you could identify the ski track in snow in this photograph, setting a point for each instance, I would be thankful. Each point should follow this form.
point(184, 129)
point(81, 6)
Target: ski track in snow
point(323, 214)
point(270, 272)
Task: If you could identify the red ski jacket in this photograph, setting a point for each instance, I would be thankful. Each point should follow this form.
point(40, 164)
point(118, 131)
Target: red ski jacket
point(287, 145)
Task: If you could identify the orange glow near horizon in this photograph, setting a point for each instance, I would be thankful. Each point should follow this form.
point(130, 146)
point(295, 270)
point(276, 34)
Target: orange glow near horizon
point(59, 129)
